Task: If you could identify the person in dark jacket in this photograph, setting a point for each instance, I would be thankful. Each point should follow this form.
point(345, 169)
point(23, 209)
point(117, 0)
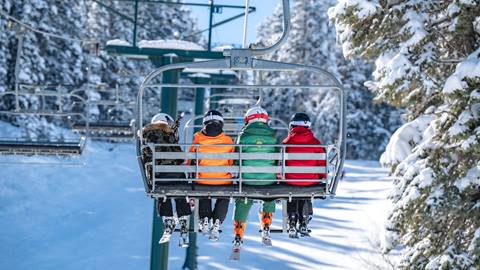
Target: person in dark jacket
point(163, 129)
point(256, 131)
point(300, 211)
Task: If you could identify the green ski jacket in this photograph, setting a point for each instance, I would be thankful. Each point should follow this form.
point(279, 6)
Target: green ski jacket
point(260, 134)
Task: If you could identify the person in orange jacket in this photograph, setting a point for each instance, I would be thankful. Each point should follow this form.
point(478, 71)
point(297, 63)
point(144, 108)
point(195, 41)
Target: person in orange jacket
point(211, 135)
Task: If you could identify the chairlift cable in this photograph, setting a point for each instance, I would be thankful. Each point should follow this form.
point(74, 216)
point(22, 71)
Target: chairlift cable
point(44, 33)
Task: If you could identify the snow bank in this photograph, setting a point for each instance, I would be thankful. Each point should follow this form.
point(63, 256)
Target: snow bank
point(405, 139)
point(471, 180)
point(170, 44)
point(469, 68)
point(118, 42)
point(97, 217)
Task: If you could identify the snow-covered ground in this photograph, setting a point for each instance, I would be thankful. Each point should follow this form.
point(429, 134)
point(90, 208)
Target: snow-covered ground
point(96, 217)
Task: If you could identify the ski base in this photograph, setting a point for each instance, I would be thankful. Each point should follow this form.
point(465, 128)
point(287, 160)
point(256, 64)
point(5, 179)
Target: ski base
point(235, 255)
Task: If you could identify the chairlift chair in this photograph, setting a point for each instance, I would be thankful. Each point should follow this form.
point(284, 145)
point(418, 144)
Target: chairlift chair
point(243, 60)
point(106, 129)
point(56, 147)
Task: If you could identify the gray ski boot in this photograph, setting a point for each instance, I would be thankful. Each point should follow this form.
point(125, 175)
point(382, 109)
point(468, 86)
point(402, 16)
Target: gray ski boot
point(168, 228)
point(183, 241)
point(215, 231)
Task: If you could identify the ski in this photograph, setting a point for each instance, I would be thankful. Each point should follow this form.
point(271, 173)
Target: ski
point(266, 239)
point(235, 255)
point(169, 226)
point(165, 237)
point(292, 233)
point(237, 244)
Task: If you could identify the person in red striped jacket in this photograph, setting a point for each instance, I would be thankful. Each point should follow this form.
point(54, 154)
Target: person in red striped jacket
point(300, 211)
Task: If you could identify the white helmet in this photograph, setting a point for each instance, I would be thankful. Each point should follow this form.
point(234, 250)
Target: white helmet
point(163, 118)
point(256, 114)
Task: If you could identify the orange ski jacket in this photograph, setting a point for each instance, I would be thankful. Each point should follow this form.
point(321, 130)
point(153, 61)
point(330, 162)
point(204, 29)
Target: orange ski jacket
point(209, 146)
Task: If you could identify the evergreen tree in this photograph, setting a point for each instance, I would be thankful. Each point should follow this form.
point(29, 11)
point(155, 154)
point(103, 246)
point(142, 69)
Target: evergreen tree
point(428, 61)
point(312, 41)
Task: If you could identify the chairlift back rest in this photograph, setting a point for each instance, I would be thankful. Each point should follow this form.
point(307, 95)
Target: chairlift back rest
point(239, 157)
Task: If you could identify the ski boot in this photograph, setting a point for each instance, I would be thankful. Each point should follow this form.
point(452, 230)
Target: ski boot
point(215, 231)
point(292, 227)
point(303, 229)
point(169, 224)
point(239, 229)
point(183, 222)
point(204, 226)
point(266, 222)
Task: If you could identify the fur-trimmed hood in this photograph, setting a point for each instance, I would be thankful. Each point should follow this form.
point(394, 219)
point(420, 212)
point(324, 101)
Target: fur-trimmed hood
point(158, 127)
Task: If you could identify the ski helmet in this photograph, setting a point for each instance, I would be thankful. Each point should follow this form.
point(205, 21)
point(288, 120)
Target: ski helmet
point(256, 114)
point(212, 115)
point(300, 119)
point(163, 118)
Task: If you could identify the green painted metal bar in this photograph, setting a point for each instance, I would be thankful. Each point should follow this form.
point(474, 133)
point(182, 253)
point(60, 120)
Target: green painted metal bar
point(158, 253)
point(135, 20)
point(155, 52)
point(191, 252)
point(210, 21)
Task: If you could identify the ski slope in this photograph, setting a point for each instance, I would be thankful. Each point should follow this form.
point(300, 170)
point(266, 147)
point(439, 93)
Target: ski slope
point(97, 217)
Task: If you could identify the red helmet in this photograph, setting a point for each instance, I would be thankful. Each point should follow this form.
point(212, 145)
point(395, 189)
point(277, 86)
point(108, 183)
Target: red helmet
point(256, 114)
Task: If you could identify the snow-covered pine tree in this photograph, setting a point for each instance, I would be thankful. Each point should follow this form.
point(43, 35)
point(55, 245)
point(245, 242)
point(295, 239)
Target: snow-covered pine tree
point(6, 67)
point(428, 61)
point(313, 41)
point(43, 60)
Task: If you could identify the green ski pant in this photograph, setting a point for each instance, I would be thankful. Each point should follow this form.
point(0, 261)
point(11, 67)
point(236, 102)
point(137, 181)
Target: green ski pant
point(242, 208)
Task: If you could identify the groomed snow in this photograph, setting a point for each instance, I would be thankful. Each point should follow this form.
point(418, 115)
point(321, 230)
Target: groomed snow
point(97, 217)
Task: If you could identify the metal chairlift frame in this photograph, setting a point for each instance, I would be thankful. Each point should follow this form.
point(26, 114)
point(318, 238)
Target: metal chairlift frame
point(50, 147)
point(108, 130)
point(244, 59)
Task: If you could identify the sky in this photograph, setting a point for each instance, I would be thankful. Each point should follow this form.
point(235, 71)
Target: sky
point(232, 32)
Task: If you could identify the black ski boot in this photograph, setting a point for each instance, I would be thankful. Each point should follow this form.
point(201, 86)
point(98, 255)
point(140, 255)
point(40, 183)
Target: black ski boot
point(292, 227)
point(304, 231)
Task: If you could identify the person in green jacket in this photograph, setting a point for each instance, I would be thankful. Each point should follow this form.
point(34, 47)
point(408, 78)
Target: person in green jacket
point(256, 131)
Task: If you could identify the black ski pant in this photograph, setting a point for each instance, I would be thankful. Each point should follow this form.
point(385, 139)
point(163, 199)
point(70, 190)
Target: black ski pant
point(219, 211)
point(299, 209)
point(165, 209)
